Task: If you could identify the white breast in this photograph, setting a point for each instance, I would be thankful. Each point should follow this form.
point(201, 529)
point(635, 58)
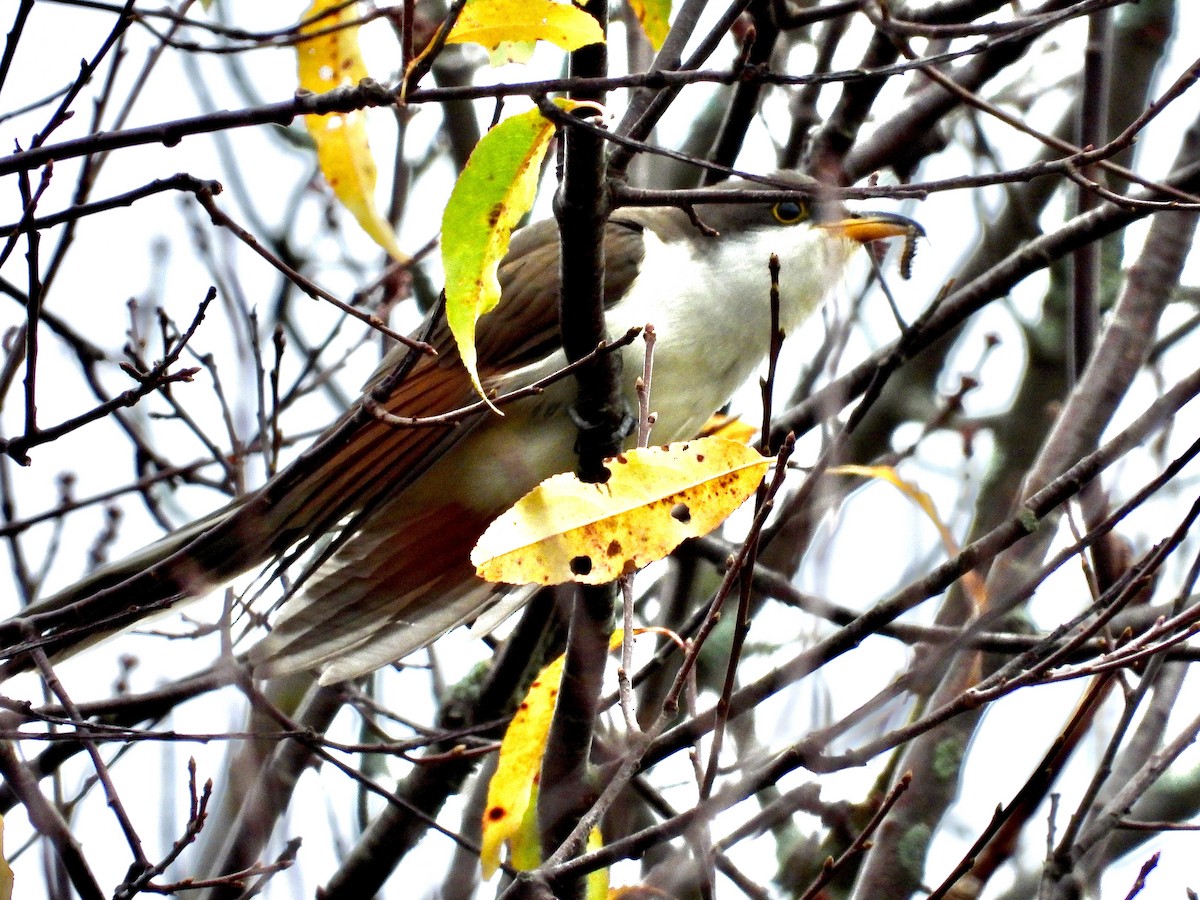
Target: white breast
point(713, 316)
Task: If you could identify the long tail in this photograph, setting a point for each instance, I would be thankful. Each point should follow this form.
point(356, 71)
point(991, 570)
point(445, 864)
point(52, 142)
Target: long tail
point(183, 565)
point(358, 464)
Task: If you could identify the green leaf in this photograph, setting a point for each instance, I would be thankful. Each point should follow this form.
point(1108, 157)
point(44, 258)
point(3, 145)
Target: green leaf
point(494, 191)
point(654, 16)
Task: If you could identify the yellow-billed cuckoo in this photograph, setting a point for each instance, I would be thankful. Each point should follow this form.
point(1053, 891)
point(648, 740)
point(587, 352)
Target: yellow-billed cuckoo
point(408, 503)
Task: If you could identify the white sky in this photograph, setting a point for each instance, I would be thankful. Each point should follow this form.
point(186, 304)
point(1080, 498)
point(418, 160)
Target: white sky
point(113, 261)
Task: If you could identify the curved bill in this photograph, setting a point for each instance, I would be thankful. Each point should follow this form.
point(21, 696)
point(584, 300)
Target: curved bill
point(870, 226)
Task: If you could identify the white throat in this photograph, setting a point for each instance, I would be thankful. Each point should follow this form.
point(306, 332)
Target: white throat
point(712, 317)
point(712, 314)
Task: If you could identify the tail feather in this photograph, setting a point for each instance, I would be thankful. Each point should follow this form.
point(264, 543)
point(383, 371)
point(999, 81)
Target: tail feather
point(185, 564)
point(393, 588)
point(322, 488)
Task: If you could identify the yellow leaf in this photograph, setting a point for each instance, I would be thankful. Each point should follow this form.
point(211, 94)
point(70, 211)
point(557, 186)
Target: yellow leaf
point(654, 16)
point(971, 580)
point(492, 22)
point(495, 189)
point(640, 891)
point(732, 428)
point(511, 812)
point(510, 792)
point(6, 873)
point(330, 61)
point(525, 844)
point(597, 881)
point(511, 52)
point(566, 530)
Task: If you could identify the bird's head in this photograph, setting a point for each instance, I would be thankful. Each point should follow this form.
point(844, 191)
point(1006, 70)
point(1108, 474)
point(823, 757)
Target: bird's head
point(814, 212)
point(813, 235)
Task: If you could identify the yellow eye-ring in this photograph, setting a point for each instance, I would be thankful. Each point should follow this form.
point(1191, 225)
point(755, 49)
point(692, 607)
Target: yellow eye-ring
point(789, 212)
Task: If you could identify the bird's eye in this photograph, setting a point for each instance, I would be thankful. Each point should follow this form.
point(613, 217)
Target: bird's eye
point(789, 212)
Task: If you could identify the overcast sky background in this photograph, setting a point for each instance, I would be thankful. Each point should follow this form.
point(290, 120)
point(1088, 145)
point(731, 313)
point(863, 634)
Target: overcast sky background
point(145, 252)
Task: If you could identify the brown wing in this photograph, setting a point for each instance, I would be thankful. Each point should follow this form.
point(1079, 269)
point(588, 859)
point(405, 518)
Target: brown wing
point(360, 461)
point(357, 464)
point(403, 576)
point(529, 285)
